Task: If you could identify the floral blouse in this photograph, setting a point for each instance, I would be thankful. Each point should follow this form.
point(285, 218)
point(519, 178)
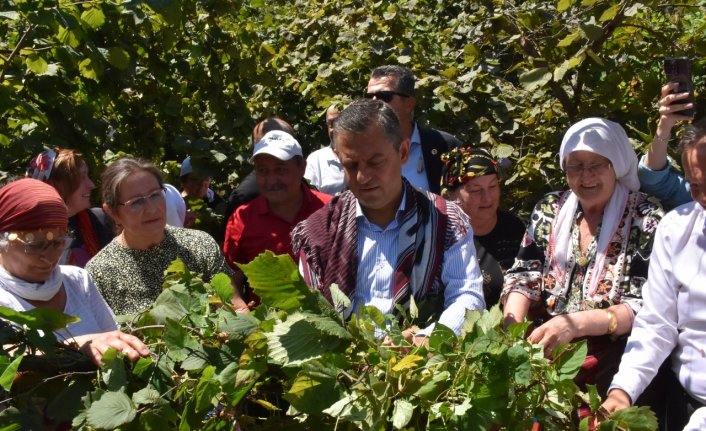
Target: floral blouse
point(627, 259)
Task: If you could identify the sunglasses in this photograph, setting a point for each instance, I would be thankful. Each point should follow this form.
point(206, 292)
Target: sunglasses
point(37, 247)
point(40, 167)
point(138, 203)
point(385, 95)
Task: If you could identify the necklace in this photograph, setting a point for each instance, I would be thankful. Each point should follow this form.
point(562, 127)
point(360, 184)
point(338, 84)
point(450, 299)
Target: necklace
point(583, 242)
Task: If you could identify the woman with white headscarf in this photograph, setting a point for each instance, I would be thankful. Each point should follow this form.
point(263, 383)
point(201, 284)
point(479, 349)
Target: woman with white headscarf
point(583, 261)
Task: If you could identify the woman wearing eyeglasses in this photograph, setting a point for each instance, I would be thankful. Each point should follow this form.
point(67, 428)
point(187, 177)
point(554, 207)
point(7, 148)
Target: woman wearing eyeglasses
point(129, 271)
point(33, 235)
point(67, 171)
point(584, 258)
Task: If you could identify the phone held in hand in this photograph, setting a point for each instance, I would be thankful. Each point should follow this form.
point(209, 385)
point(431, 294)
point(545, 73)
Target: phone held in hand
point(678, 69)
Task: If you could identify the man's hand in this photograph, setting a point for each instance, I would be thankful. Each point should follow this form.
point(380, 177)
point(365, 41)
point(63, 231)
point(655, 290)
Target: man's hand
point(95, 345)
point(557, 331)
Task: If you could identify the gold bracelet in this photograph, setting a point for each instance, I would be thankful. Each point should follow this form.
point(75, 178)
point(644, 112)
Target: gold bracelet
point(612, 321)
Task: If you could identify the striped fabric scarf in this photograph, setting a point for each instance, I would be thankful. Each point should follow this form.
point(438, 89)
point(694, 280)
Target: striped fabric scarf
point(327, 243)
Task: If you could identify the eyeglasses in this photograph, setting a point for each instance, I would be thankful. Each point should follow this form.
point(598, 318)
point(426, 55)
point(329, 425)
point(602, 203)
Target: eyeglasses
point(595, 169)
point(41, 166)
point(138, 203)
point(40, 246)
point(385, 95)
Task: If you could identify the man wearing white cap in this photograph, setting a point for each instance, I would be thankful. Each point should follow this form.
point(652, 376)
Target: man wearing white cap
point(265, 223)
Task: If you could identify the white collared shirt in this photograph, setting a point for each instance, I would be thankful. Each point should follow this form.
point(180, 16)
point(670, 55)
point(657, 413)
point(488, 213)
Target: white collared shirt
point(325, 171)
point(673, 316)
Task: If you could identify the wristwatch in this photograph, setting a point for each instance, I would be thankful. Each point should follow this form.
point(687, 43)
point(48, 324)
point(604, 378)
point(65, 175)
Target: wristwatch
point(612, 321)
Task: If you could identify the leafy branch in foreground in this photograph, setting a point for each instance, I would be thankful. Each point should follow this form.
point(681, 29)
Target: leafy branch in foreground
point(295, 362)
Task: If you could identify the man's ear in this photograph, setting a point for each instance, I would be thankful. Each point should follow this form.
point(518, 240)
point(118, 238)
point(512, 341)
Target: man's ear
point(404, 150)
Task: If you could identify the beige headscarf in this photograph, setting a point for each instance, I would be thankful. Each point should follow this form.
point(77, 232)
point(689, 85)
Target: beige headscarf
point(608, 139)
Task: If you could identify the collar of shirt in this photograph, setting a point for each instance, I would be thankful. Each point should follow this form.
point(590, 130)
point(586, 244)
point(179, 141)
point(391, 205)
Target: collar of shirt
point(364, 223)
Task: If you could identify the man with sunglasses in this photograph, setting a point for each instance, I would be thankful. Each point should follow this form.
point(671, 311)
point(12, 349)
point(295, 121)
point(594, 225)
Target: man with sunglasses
point(394, 85)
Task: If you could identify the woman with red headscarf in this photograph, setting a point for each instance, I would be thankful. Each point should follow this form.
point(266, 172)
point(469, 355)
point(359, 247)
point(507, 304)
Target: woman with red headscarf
point(33, 235)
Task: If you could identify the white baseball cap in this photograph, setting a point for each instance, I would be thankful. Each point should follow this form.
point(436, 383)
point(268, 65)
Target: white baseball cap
point(278, 144)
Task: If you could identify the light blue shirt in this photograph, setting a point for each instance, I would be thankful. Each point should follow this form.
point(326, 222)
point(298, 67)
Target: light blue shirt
point(665, 184)
point(377, 257)
point(414, 170)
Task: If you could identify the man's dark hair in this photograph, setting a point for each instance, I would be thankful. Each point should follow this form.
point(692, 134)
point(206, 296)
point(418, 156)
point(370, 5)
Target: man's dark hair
point(404, 78)
point(362, 114)
point(693, 136)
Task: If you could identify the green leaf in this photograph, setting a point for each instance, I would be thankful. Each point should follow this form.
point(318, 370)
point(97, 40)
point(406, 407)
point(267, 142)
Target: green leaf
point(93, 17)
point(113, 372)
point(9, 372)
point(297, 340)
point(569, 39)
point(221, 283)
point(36, 64)
point(68, 37)
point(312, 393)
point(375, 315)
point(340, 300)
point(563, 5)
point(177, 267)
point(276, 280)
point(594, 399)
point(146, 395)
point(592, 31)
point(111, 411)
point(635, 418)
point(90, 69)
point(407, 363)
point(402, 413)
point(404, 59)
point(471, 55)
point(569, 358)
point(521, 366)
point(38, 318)
point(561, 70)
point(118, 57)
point(413, 310)
point(11, 15)
point(610, 13)
point(535, 78)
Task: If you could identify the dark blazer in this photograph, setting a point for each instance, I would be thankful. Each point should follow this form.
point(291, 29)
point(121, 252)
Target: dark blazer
point(434, 144)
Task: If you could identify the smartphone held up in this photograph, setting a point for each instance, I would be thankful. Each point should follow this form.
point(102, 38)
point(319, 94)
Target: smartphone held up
point(678, 69)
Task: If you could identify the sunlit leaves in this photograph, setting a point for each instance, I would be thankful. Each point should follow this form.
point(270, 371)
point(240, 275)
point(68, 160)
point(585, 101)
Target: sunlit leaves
point(93, 17)
point(36, 64)
point(535, 78)
point(38, 318)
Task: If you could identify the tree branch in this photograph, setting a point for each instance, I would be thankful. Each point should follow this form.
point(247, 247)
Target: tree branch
point(17, 49)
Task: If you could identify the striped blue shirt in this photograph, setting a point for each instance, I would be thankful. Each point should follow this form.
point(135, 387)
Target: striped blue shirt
point(377, 254)
point(414, 170)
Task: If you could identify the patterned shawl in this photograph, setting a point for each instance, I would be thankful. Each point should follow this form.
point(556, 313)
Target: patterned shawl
point(328, 245)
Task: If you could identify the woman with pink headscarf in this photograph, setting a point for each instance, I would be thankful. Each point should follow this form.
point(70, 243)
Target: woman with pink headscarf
point(584, 258)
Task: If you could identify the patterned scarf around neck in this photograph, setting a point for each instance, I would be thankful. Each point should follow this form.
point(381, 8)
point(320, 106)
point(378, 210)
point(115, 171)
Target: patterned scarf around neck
point(328, 244)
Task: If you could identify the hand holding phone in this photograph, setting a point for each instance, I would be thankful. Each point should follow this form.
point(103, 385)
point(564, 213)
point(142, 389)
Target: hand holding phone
point(678, 70)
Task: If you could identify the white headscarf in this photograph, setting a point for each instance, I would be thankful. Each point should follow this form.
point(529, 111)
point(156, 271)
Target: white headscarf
point(608, 139)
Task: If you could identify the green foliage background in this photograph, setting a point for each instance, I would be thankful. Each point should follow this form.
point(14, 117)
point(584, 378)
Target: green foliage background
point(166, 78)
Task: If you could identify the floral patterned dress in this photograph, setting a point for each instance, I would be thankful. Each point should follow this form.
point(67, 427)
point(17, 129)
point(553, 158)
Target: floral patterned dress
point(623, 274)
point(626, 262)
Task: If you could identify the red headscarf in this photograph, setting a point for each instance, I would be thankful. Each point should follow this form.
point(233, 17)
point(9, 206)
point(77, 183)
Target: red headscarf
point(29, 204)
